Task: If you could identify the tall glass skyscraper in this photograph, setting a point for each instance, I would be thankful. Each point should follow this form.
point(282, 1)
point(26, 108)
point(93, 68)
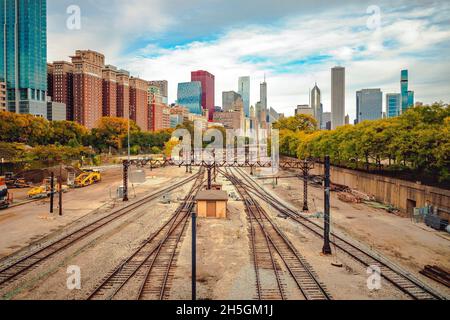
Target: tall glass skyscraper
point(407, 96)
point(393, 103)
point(23, 54)
point(190, 96)
point(207, 81)
point(369, 104)
point(244, 91)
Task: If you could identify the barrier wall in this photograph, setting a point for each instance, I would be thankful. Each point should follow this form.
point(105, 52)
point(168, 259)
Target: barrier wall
point(402, 194)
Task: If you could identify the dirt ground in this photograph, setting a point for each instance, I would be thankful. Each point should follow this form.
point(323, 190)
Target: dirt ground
point(35, 221)
point(99, 253)
point(410, 245)
point(224, 265)
point(224, 269)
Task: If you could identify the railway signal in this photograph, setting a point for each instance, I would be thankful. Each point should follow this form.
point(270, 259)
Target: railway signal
point(126, 166)
point(326, 246)
point(52, 191)
point(306, 167)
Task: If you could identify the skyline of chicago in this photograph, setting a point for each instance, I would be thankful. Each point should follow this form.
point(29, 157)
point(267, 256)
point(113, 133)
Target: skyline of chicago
point(289, 44)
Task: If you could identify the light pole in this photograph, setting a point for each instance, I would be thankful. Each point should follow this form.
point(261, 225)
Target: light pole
point(129, 150)
point(194, 256)
point(326, 245)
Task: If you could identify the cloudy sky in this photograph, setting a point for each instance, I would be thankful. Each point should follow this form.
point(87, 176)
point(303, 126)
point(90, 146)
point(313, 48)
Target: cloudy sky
point(293, 42)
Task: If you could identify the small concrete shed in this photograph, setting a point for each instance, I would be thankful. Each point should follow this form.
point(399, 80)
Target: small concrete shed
point(212, 204)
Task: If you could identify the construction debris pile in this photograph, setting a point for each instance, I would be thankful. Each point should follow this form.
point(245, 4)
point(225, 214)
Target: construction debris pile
point(437, 274)
point(346, 194)
point(38, 175)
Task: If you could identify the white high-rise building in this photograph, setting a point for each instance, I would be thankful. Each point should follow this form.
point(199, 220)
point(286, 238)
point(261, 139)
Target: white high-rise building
point(337, 97)
point(244, 91)
point(316, 104)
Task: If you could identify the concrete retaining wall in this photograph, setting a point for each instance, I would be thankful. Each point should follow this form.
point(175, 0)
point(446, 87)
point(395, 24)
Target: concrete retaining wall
point(402, 194)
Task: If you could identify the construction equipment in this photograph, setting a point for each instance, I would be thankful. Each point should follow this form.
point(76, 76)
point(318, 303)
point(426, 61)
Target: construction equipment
point(44, 190)
point(5, 197)
point(87, 178)
point(13, 182)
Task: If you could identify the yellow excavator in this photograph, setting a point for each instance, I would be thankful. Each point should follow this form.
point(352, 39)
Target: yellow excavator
point(44, 190)
point(87, 178)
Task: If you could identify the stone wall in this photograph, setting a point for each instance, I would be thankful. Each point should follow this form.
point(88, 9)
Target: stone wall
point(402, 194)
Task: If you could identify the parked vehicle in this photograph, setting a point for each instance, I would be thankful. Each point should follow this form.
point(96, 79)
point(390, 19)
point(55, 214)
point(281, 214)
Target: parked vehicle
point(87, 178)
point(5, 197)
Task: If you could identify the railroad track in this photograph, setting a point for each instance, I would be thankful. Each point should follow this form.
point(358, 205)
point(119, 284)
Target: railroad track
point(32, 260)
point(399, 278)
point(274, 256)
point(150, 266)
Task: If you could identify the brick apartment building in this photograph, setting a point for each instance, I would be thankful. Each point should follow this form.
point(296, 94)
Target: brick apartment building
point(88, 87)
point(2, 96)
point(109, 79)
point(60, 85)
point(139, 111)
point(159, 116)
point(50, 70)
point(123, 93)
point(91, 90)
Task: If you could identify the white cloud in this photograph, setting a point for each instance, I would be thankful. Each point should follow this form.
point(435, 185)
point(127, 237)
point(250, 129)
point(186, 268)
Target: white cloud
point(408, 38)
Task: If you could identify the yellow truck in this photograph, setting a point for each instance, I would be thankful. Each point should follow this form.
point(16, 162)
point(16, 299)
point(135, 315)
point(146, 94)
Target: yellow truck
point(87, 178)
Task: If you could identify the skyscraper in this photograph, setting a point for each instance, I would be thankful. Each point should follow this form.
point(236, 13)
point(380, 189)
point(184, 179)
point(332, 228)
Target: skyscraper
point(316, 104)
point(326, 121)
point(263, 95)
point(407, 96)
point(369, 104)
point(410, 99)
point(229, 100)
point(190, 96)
point(207, 81)
point(23, 55)
point(404, 89)
point(163, 86)
point(337, 97)
point(393, 104)
point(244, 91)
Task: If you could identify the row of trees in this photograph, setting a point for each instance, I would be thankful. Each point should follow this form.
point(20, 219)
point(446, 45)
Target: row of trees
point(418, 141)
point(19, 132)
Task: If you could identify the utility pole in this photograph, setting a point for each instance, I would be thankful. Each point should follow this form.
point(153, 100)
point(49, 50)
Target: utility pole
point(52, 191)
point(60, 189)
point(326, 246)
point(194, 256)
point(129, 147)
point(209, 177)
